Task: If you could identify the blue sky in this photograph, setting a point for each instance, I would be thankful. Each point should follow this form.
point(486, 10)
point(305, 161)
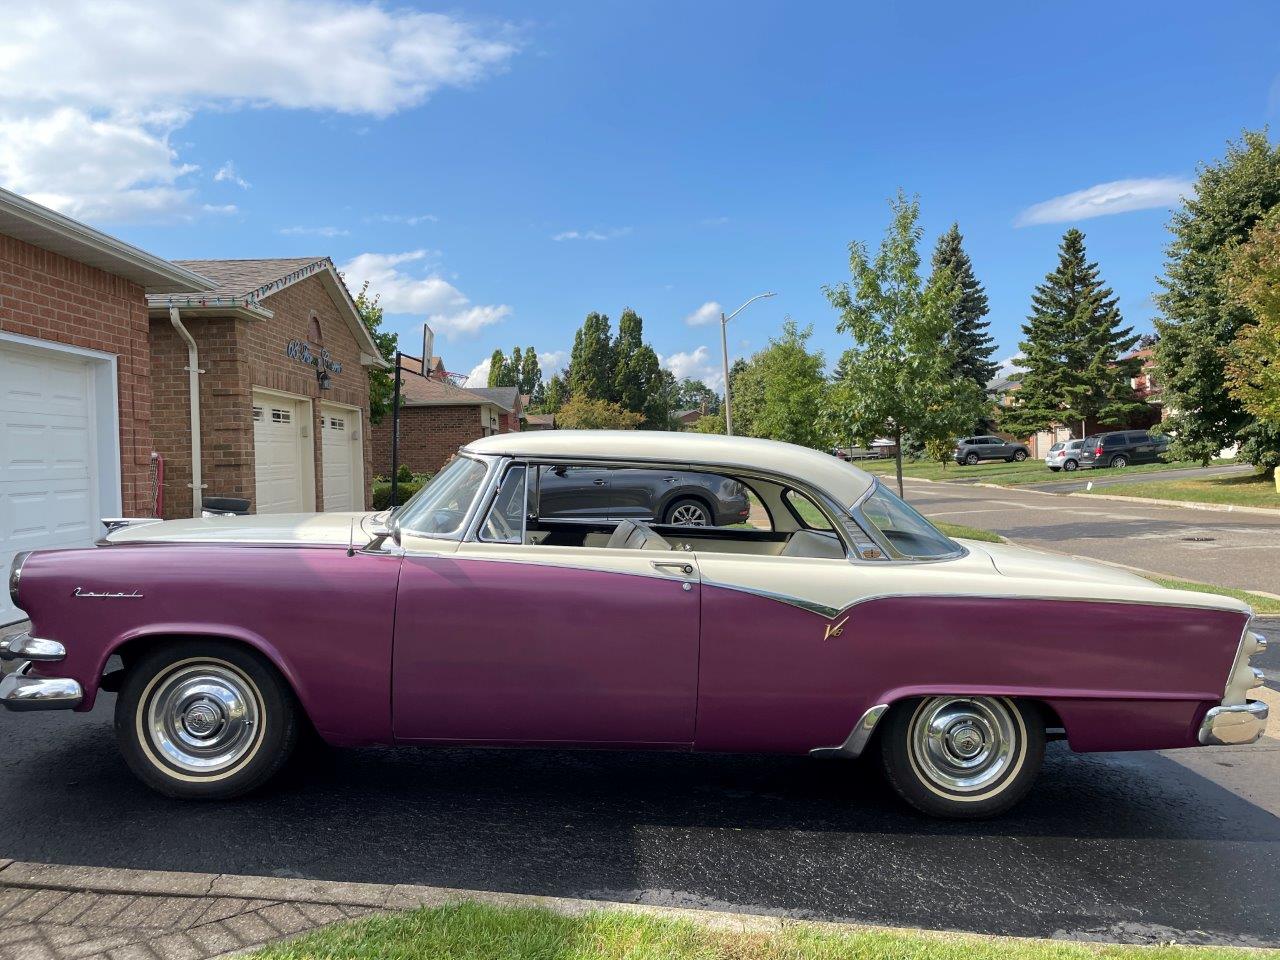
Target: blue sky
point(505, 168)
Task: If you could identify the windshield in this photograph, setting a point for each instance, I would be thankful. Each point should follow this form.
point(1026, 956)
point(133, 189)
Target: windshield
point(440, 507)
point(910, 535)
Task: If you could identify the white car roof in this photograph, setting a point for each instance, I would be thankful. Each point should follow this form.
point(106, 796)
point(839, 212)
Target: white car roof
point(831, 475)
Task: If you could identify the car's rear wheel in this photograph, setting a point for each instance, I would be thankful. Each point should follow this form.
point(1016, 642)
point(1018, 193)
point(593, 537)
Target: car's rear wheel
point(688, 513)
point(962, 758)
point(1020, 455)
point(1119, 461)
point(971, 459)
point(205, 719)
point(1070, 466)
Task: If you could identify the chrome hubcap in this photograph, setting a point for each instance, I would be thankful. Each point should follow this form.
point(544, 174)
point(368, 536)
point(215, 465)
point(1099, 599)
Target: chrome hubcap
point(203, 717)
point(963, 745)
point(688, 515)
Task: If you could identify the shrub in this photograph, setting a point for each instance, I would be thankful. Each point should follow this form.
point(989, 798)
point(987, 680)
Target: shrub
point(382, 493)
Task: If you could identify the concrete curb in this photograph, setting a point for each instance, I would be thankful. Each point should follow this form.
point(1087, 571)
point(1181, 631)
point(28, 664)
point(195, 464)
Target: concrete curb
point(1187, 504)
point(395, 897)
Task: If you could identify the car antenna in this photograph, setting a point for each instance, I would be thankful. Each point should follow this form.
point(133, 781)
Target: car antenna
point(351, 540)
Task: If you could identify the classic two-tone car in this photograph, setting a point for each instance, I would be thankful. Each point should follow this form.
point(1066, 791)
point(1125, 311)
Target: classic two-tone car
point(844, 624)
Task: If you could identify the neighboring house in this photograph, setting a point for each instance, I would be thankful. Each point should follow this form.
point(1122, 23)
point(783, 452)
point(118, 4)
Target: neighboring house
point(688, 419)
point(283, 388)
point(76, 397)
point(539, 421)
point(437, 417)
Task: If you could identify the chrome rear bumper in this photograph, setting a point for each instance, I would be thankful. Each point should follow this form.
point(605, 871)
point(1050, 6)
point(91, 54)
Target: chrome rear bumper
point(21, 692)
point(1238, 724)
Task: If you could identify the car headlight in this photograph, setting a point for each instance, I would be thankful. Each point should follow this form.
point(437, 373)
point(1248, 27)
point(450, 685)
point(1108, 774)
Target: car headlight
point(15, 574)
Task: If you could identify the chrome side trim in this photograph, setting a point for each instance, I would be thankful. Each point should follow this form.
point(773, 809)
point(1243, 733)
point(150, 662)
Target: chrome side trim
point(23, 646)
point(812, 606)
point(858, 737)
point(1236, 725)
point(21, 693)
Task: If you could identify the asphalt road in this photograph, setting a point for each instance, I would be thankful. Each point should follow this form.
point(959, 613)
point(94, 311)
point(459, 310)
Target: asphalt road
point(1136, 847)
point(1229, 549)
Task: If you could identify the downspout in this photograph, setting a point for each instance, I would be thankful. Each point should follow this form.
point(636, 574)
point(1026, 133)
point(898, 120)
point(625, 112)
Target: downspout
point(193, 380)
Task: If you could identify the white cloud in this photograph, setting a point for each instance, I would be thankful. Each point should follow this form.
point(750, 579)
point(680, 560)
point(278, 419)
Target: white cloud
point(314, 232)
point(85, 123)
point(479, 375)
point(697, 364)
point(1104, 199)
point(611, 233)
point(392, 277)
point(227, 173)
point(411, 221)
point(709, 312)
point(553, 362)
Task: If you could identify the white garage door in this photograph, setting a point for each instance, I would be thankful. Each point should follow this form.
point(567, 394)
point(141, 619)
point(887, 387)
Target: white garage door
point(343, 458)
point(48, 461)
point(278, 447)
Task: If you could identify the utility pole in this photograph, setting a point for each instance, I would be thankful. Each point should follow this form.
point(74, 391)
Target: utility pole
point(395, 434)
point(724, 349)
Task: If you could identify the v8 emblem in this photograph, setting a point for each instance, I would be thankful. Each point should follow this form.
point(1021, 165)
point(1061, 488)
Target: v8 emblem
point(835, 629)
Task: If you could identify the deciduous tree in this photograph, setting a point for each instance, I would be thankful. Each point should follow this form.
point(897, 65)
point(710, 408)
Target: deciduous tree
point(381, 384)
point(1201, 320)
point(897, 378)
point(591, 362)
point(1253, 360)
point(585, 413)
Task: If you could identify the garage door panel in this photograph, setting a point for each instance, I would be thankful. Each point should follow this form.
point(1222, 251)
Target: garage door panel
point(278, 450)
point(58, 447)
point(340, 432)
point(43, 384)
point(40, 515)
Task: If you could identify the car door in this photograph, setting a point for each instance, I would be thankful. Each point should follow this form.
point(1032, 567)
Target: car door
point(990, 448)
point(503, 642)
point(634, 493)
point(573, 492)
point(1143, 447)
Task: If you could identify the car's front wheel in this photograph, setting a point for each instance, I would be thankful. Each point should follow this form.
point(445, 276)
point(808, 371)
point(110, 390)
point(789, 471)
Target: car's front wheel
point(205, 720)
point(688, 513)
point(971, 459)
point(962, 758)
point(1055, 469)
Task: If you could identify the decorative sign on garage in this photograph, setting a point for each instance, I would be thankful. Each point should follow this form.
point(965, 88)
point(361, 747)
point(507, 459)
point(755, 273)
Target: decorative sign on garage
point(300, 350)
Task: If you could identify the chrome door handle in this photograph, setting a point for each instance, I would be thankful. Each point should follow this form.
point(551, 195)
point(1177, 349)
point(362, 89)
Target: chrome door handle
point(685, 568)
point(598, 483)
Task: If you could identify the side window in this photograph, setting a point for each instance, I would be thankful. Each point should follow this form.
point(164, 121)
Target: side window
point(504, 520)
point(805, 511)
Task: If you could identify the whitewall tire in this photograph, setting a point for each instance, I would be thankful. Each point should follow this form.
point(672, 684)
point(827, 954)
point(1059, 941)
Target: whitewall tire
point(962, 758)
point(205, 719)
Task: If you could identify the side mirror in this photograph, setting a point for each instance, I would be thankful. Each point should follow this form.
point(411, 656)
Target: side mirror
point(382, 532)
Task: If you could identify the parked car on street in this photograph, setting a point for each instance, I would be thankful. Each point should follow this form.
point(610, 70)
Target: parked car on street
point(677, 497)
point(1064, 455)
point(468, 617)
point(1119, 448)
point(971, 450)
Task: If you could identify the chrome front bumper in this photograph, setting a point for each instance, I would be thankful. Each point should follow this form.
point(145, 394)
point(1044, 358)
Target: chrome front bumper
point(1239, 724)
point(21, 692)
point(18, 691)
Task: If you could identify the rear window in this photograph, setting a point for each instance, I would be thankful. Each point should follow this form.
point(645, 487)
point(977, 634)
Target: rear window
point(1056, 447)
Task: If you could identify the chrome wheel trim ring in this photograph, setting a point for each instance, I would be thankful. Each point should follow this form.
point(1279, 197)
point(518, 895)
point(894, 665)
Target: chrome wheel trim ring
point(689, 515)
point(966, 748)
point(202, 719)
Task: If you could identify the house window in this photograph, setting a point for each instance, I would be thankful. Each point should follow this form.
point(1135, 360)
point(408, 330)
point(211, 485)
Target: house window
point(313, 329)
point(337, 423)
point(257, 414)
point(281, 416)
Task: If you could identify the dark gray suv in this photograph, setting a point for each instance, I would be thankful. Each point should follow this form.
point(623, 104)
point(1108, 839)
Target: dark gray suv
point(1119, 448)
point(971, 450)
point(678, 497)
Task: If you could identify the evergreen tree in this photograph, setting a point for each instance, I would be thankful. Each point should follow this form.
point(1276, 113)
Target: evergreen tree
point(512, 374)
point(555, 396)
point(972, 345)
point(530, 373)
point(497, 369)
point(637, 376)
point(1201, 320)
point(591, 362)
point(1073, 351)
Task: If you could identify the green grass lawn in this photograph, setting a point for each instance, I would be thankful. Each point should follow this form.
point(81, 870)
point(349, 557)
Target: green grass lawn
point(1259, 603)
point(1251, 490)
point(1012, 474)
point(470, 931)
point(967, 533)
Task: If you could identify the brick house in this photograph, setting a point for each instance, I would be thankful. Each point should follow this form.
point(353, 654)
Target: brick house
point(76, 403)
point(283, 393)
point(437, 417)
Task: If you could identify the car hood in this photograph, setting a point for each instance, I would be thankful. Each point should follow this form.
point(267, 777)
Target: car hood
point(300, 528)
point(1026, 563)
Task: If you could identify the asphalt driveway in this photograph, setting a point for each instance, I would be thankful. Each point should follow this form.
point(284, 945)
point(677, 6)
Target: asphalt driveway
point(1229, 549)
point(1138, 847)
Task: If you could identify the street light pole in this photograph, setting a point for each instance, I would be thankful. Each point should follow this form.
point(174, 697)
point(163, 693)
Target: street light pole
point(724, 349)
